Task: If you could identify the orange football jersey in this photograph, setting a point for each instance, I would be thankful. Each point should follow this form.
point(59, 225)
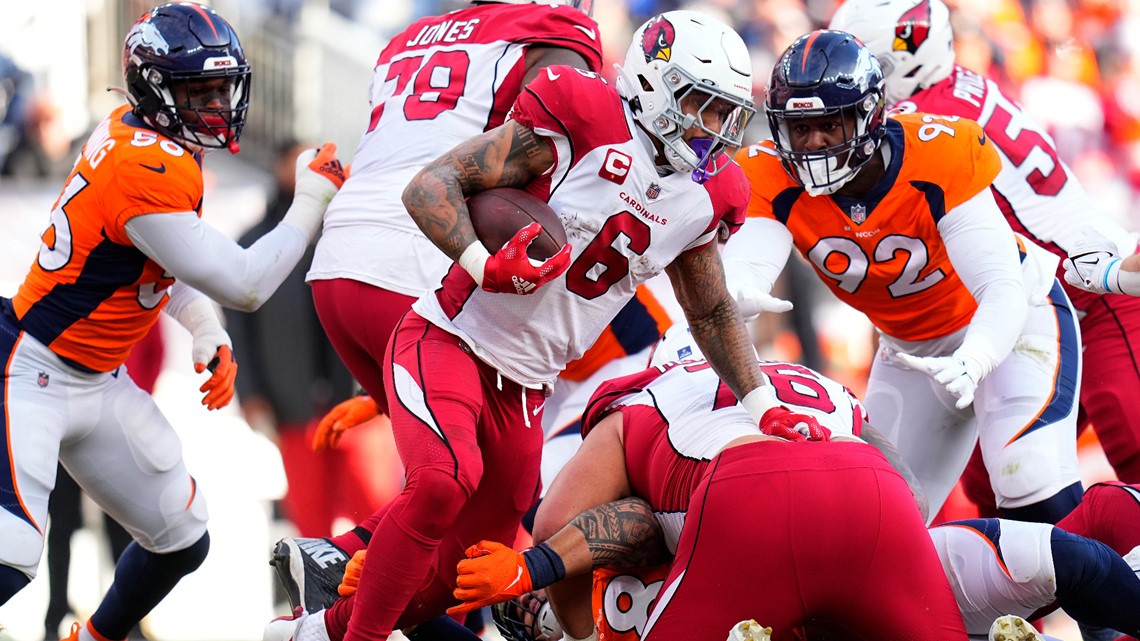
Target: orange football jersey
point(90, 294)
point(883, 254)
point(622, 600)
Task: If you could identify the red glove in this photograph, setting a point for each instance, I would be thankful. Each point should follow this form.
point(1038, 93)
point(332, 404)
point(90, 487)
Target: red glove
point(219, 388)
point(342, 418)
point(491, 573)
point(352, 570)
point(511, 271)
point(786, 424)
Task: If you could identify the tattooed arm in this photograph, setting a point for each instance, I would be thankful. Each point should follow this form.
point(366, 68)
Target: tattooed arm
point(510, 155)
point(621, 534)
point(875, 437)
point(698, 281)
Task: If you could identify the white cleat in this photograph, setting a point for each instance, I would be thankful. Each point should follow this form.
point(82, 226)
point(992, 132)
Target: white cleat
point(1013, 628)
point(285, 628)
point(749, 630)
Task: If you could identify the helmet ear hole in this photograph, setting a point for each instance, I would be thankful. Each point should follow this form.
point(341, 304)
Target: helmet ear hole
point(645, 86)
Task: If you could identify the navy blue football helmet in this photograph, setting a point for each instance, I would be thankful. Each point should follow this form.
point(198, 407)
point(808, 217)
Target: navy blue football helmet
point(187, 75)
point(825, 73)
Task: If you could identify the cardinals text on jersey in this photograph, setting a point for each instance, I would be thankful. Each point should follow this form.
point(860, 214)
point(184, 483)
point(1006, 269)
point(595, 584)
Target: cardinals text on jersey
point(624, 222)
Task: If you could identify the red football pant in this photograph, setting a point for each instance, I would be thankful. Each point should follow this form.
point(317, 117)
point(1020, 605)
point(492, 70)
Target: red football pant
point(805, 535)
point(359, 319)
point(470, 442)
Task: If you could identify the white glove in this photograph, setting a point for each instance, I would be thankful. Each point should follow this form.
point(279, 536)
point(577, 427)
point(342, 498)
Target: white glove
point(960, 376)
point(319, 176)
point(1093, 265)
point(754, 301)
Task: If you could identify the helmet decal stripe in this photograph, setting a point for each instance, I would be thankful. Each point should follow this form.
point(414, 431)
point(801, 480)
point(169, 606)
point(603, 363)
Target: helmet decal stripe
point(205, 15)
point(807, 48)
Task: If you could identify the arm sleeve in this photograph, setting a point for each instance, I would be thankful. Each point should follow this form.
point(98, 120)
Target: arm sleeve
point(205, 259)
point(756, 254)
point(984, 253)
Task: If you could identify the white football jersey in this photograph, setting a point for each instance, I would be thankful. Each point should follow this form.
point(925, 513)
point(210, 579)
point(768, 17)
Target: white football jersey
point(1037, 192)
point(443, 80)
point(690, 415)
point(624, 222)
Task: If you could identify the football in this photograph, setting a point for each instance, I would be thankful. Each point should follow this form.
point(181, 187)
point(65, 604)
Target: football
point(498, 214)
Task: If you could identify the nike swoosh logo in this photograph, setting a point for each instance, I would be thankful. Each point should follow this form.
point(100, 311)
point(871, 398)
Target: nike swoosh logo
point(160, 169)
point(518, 578)
point(538, 409)
point(553, 76)
point(588, 32)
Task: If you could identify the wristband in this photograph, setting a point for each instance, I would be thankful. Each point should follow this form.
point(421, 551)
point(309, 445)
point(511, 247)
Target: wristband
point(545, 566)
point(1127, 282)
point(474, 260)
point(759, 401)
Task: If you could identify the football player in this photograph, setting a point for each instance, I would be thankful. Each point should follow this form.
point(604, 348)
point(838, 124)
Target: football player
point(441, 81)
point(1040, 196)
point(896, 215)
point(125, 243)
point(655, 435)
point(468, 369)
point(995, 567)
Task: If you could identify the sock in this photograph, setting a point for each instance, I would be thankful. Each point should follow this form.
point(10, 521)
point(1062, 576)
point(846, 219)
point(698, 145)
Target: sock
point(11, 582)
point(1050, 510)
point(443, 628)
point(1094, 584)
point(142, 579)
point(312, 628)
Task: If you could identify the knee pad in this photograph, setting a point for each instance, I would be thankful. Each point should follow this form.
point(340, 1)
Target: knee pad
point(1050, 510)
point(435, 501)
point(11, 582)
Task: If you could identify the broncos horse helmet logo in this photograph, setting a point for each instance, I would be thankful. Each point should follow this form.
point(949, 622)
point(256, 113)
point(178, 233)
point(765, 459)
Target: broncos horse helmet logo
point(145, 34)
point(912, 27)
point(657, 42)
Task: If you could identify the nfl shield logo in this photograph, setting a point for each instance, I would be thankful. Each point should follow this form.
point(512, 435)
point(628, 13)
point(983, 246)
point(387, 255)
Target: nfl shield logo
point(858, 213)
point(43, 379)
point(653, 191)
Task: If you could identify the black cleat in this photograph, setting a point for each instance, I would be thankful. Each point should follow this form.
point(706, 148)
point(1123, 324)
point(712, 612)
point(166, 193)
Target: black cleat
point(310, 571)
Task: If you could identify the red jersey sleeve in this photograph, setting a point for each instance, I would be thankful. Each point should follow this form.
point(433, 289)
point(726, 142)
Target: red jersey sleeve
point(561, 26)
point(603, 402)
point(578, 105)
point(728, 191)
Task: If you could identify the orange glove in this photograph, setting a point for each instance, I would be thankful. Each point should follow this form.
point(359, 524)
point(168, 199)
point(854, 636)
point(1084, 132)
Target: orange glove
point(219, 388)
point(352, 571)
point(491, 573)
point(326, 164)
point(342, 418)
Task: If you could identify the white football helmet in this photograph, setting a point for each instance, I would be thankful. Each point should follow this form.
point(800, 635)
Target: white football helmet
point(913, 41)
point(682, 53)
point(585, 6)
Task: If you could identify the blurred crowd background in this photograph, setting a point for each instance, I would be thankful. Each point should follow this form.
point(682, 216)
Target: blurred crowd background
point(1073, 64)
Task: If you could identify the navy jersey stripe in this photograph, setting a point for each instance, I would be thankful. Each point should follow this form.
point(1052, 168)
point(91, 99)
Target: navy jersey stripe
point(9, 497)
point(108, 268)
point(989, 528)
point(783, 203)
point(1065, 390)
